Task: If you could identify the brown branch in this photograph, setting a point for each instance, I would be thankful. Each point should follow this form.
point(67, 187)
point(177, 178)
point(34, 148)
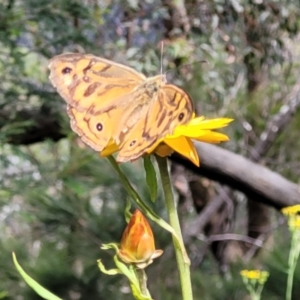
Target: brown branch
point(232, 236)
point(196, 226)
point(255, 181)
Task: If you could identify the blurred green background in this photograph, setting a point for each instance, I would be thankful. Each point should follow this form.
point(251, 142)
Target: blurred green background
point(59, 201)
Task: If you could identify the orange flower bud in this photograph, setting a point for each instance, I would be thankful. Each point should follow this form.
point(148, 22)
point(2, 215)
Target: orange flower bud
point(137, 244)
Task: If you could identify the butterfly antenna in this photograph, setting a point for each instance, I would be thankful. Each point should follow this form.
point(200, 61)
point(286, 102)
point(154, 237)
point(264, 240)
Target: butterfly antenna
point(161, 56)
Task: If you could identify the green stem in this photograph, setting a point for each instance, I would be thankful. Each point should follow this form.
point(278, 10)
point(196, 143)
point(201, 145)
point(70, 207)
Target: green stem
point(289, 288)
point(145, 208)
point(182, 262)
point(142, 278)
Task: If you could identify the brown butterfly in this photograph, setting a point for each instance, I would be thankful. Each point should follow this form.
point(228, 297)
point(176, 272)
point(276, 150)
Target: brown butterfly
point(112, 103)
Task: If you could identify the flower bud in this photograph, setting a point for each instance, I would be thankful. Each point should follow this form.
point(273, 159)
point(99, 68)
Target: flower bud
point(137, 244)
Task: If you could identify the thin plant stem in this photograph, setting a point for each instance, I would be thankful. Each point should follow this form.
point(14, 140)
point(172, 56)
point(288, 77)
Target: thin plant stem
point(254, 292)
point(146, 209)
point(289, 287)
point(293, 258)
point(183, 264)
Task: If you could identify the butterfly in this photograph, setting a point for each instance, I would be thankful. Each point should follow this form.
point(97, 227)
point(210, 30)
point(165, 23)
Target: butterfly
point(108, 102)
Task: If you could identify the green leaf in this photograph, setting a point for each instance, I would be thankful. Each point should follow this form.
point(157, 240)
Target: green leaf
point(105, 271)
point(33, 284)
point(151, 177)
point(110, 246)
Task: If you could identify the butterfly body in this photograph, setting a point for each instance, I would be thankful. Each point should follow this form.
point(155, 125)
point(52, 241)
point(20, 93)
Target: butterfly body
point(109, 102)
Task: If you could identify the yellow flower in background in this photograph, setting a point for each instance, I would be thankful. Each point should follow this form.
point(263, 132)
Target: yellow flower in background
point(251, 274)
point(255, 275)
point(291, 210)
point(292, 213)
point(254, 281)
point(180, 141)
point(137, 243)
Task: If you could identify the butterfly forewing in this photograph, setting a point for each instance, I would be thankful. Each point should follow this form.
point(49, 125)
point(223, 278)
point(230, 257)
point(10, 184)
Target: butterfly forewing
point(80, 79)
point(96, 89)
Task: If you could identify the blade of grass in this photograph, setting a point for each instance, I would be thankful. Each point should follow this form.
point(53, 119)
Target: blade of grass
point(32, 283)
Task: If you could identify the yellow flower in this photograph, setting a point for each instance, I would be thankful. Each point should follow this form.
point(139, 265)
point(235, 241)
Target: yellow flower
point(137, 243)
point(255, 275)
point(197, 129)
point(251, 274)
point(291, 210)
point(180, 141)
point(292, 213)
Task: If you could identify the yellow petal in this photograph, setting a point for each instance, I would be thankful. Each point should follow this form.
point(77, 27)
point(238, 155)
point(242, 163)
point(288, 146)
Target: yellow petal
point(211, 137)
point(210, 124)
point(109, 149)
point(185, 147)
point(197, 127)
